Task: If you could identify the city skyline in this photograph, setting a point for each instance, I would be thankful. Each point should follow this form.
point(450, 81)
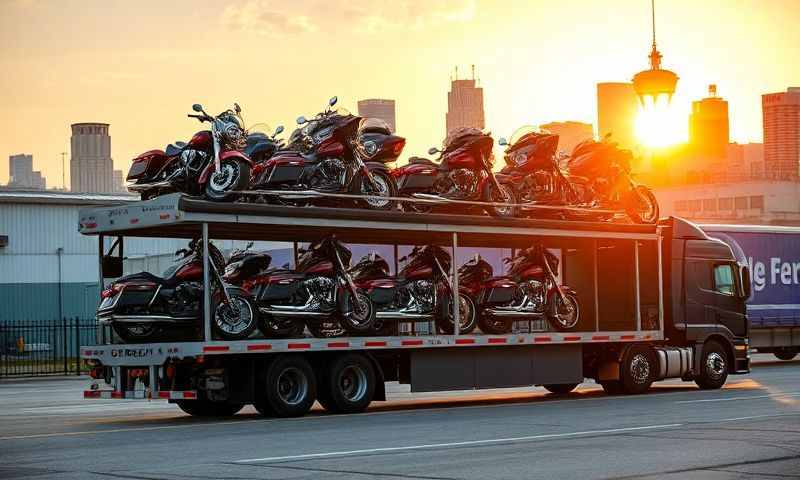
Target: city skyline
point(133, 82)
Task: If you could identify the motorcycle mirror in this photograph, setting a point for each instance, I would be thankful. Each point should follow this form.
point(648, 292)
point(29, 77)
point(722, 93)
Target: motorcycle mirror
point(333, 101)
point(237, 108)
point(278, 130)
point(197, 108)
point(502, 141)
point(433, 151)
point(301, 120)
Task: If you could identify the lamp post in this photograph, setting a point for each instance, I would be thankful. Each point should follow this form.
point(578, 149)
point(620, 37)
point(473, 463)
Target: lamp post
point(655, 81)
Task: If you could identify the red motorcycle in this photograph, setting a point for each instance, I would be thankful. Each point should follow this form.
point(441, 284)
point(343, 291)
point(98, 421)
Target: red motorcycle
point(463, 176)
point(530, 291)
point(336, 153)
point(421, 292)
point(212, 163)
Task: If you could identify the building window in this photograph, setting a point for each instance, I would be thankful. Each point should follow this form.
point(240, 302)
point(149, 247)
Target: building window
point(757, 202)
point(741, 203)
point(694, 205)
point(723, 279)
point(726, 204)
point(680, 205)
point(710, 205)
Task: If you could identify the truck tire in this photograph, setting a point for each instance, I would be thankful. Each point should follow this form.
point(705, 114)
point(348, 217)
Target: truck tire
point(560, 388)
point(785, 354)
point(713, 366)
point(207, 408)
point(638, 369)
point(287, 387)
point(347, 385)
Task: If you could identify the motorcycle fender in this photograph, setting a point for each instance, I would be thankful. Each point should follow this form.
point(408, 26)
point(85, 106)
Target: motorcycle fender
point(223, 156)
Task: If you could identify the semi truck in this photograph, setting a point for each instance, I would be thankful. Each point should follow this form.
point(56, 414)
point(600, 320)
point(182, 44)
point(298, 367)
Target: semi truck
point(656, 302)
point(772, 255)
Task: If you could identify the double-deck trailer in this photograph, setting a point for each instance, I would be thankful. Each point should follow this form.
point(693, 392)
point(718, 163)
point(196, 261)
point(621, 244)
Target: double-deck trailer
point(656, 302)
point(772, 254)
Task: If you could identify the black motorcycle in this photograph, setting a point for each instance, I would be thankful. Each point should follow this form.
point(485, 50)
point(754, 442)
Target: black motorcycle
point(334, 153)
point(319, 292)
point(144, 307)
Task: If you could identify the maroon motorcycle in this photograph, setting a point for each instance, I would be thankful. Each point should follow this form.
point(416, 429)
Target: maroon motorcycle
point(463, 176)
point(211, 164)
point(335, 153)
point(421, 292)
point(319, 293)
point(530, 291)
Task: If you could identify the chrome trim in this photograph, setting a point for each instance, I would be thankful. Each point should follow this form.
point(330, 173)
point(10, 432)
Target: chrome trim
point(147, 318)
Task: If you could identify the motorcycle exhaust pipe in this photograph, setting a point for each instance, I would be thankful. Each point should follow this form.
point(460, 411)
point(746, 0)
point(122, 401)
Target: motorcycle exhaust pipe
point(513, 314)
point(394, 315)
point(292, 313)
point(148, 318)
point(148, 186)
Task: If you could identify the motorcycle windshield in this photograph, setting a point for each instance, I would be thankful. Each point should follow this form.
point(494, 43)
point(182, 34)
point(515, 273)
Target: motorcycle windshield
point(259, 129)
point(520, 133)
point(461, 137)
point(373, 125)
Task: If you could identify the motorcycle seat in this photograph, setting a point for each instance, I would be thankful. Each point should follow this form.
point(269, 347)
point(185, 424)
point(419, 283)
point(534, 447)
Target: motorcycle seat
point(149, 277)
point(175, 148)
point(423, 161)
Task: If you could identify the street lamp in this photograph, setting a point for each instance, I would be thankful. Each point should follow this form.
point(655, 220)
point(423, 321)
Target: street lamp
point(656, 81)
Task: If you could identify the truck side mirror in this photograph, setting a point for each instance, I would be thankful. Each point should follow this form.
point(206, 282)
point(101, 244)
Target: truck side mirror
point(112, 266)
point(746, 286)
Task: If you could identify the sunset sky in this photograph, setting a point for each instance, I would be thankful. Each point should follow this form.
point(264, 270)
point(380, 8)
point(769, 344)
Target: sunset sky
point(140, 65)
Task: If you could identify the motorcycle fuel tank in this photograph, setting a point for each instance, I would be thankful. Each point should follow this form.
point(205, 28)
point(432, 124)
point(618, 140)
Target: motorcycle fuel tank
point(190, 272)
point(201, 140)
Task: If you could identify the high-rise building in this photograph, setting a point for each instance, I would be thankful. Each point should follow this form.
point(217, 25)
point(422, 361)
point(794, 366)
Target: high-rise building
point(464, 104)
point(569, 133)
point(781, 118)
point(378, 108)
point(91, 168)
point(617, 107)
point(22, 175)
point(709, 133)
point(119, 182)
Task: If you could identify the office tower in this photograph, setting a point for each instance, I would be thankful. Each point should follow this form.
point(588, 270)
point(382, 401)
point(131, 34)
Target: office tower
point(378, 108)
point(119, 182)
point(569, 133)
point(708, 126)
point(617, 107)
point(22, 175)
point(781, 119)
point(464, 104)
point(91, 168)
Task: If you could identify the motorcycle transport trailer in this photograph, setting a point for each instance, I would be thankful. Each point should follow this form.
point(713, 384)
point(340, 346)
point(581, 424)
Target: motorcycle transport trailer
point(656, 302)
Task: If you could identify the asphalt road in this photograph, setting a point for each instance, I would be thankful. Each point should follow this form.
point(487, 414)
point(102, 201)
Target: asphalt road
point(750, 429)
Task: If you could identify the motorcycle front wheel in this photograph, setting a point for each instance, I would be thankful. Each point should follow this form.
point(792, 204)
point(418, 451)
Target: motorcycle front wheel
point(564, 315)
point(233, 176)
point(235, 320)
point(641, 205)
point(466, 313)
point(504, 195)
point(358, 316)
point(386, 187)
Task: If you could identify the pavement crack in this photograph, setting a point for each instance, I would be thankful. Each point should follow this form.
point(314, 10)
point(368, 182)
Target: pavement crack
point(787, 448)
point(709, 468)
point(351, 472)
point(760, 474)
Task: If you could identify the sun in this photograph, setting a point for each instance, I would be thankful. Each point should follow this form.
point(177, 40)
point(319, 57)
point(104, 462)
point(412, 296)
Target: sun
point(660, 123)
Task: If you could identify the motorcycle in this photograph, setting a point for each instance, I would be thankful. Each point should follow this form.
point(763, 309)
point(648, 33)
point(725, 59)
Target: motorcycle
point(320, 290)
point(532, 168)
point(211, 163)
point(530, 291)
point(336, 153)
point(142, 306)
point(421, 292)
point(600, 174)
point(463, 174)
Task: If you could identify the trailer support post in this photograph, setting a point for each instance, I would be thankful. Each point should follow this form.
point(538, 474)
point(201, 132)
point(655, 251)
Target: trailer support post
point(595, 286)
point(660, 281)
point(636, 274)
point(454, 284)
point(206, 287)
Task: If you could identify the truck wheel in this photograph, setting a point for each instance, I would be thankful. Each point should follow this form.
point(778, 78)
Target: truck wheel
point(638, 369)
point(287, 388)
point(560, 388)
point(612, 387)
point(713, 367)
point(207, 408)
point(347, 385)
point(785, 354)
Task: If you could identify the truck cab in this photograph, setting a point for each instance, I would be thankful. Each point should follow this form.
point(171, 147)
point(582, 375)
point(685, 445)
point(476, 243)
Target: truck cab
point(707, 302)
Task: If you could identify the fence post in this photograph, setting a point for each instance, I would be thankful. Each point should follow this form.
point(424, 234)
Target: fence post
point(65, 344)
point(77, 346)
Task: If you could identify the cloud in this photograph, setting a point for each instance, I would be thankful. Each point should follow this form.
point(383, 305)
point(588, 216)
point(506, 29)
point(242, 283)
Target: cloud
point(365, 16)
point(262, 17)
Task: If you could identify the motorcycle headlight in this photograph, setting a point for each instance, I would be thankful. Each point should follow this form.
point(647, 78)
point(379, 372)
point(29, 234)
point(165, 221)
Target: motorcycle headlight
point(231, 268)
point(323, 134)
point(371, 148)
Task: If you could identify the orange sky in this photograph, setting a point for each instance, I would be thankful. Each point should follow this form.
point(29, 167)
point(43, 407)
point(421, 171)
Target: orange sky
point(140, 65)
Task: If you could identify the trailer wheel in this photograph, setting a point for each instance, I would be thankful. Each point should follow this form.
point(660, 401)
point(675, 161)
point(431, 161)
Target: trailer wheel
point(206, 408)
point(638, 369)
point(287, 388)
point(347, 385)
point(560, 388)
point(785, 353)
point(713, 367)
point(612, 387)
